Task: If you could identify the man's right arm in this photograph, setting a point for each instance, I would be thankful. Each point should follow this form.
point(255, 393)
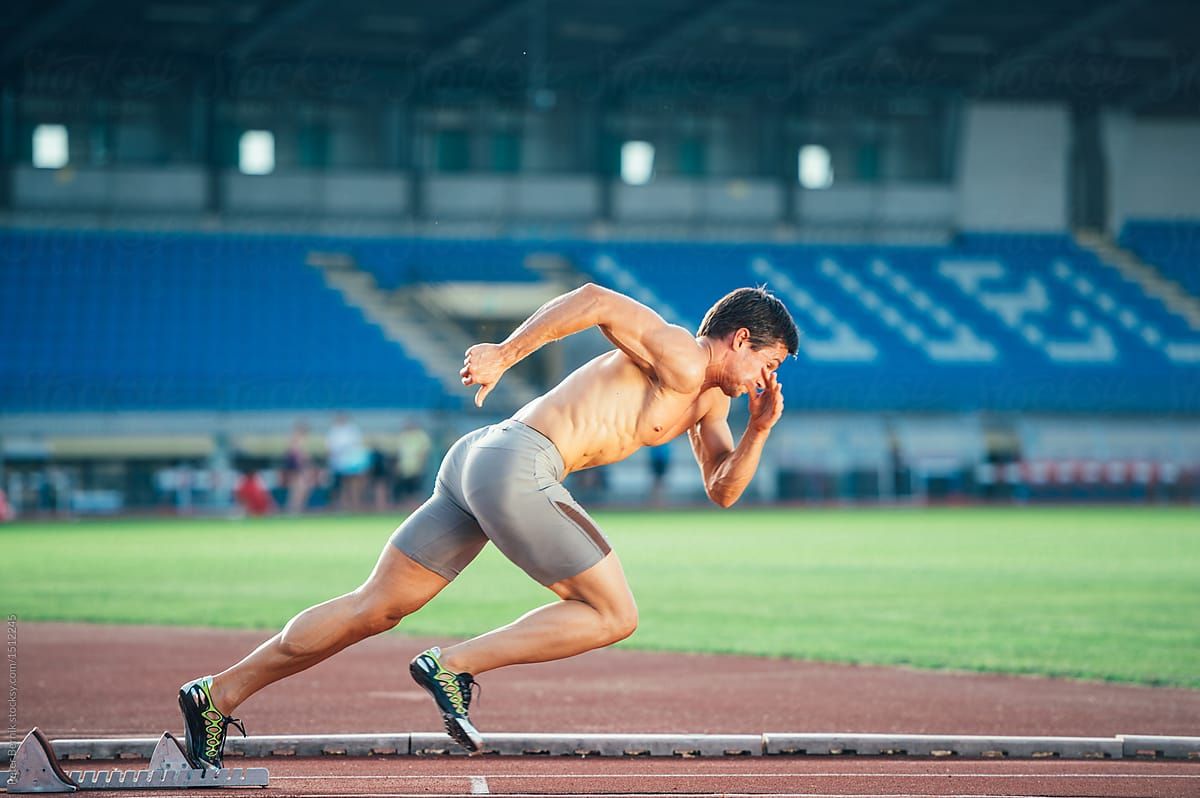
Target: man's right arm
point(728, 469)
point(667, 350)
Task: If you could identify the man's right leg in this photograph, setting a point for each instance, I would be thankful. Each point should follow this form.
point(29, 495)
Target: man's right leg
point(511, 482)
point(596, 609)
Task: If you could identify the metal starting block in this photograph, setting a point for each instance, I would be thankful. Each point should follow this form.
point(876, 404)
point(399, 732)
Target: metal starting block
point(35, 768)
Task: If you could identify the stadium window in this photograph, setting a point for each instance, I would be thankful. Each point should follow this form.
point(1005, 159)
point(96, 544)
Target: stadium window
point(815, 167)
point(692, 160)
point(50, 147)
point(256, 152)
point(637, 162)
point(453, 150)
point(312, 144)
point(867, 162)
point(506, 152)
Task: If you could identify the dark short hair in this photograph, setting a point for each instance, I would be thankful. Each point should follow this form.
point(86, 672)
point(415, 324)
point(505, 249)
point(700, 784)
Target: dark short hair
point(759, 311)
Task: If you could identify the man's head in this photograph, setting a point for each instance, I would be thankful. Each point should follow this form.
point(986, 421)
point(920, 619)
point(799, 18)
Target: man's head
point(758, 331)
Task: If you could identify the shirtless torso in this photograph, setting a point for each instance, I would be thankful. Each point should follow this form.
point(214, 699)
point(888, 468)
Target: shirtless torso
point(609, 408)
point(660, 382)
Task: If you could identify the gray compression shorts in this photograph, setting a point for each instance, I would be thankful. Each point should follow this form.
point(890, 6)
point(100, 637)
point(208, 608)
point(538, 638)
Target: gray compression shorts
point(502, 483)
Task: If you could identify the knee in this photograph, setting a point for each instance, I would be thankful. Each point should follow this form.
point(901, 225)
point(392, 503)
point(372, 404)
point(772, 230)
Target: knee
point(379, 623)
point(373, 616)
point(621, 622)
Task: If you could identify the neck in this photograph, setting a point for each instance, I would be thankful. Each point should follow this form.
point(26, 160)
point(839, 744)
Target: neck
point(712, 369)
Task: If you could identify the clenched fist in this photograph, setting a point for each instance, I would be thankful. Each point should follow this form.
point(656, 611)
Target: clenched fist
point(483, 365)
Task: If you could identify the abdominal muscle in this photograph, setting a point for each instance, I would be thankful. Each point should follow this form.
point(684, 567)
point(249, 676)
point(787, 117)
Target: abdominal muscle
point(606, 410)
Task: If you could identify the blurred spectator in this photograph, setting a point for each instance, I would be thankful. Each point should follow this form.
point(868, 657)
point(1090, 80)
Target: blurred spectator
point(901, 477)
point(412, 457)
point(380, 475)
point(660, 464)
point(299, 475)
point(220, 477)
point(1002, 447)
point(349, 460)
point(59, 482)
point(185, 478)
point(252, 494)
point(7, 513)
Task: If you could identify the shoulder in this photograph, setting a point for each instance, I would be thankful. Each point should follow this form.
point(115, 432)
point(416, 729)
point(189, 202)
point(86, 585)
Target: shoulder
point(680, 361)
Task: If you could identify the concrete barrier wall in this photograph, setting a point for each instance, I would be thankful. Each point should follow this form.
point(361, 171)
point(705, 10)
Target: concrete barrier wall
point(125, 188)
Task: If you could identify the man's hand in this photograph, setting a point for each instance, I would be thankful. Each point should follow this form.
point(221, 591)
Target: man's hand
point(484, 365)
point(766, 407)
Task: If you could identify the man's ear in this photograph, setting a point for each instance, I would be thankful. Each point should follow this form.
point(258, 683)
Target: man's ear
point(741, 338)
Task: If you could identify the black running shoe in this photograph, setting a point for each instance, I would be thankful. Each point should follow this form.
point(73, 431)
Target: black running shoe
point(204, 725)
point(452, 694)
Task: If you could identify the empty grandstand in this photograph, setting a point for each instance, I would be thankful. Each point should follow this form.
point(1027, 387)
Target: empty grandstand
point(991, 243)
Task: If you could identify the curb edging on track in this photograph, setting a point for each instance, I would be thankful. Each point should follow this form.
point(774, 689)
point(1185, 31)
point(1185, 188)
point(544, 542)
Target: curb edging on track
point(663, 745)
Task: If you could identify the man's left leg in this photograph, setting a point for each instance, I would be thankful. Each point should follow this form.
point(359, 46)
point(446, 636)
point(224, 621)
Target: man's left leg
point(425, 553)
point(397, 587)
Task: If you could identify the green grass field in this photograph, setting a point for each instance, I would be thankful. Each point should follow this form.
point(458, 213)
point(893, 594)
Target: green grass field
point(1094, 593)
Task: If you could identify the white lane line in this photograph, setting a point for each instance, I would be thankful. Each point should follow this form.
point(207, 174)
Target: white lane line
point(843, 775)
point(479, 786)
point(690, 795)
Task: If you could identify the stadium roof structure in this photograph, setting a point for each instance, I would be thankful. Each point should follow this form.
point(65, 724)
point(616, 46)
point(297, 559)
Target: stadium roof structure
point(1141, 54)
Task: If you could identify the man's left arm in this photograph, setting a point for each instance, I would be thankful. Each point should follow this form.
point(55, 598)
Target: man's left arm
point(728, 469)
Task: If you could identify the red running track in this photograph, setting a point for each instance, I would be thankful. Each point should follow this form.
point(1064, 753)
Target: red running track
point(78, 680)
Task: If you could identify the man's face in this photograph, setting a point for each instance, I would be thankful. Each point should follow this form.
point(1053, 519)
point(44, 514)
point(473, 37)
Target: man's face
point(745, 365)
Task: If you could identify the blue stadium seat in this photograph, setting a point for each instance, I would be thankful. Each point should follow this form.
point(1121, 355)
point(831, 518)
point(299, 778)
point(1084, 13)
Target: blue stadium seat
point(102, 321)
point(1173, 247)
point(995, 322)
point(999, 322)
point(399, 262)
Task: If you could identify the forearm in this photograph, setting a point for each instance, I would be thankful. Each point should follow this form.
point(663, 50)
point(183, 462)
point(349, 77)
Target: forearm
point(733, 474)
point(562, 316)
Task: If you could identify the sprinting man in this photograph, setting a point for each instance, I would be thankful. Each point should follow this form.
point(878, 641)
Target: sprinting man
point(503, 484)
